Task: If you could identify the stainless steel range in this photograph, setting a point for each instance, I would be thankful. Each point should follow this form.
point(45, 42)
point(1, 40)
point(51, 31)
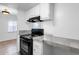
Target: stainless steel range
point(26, 44)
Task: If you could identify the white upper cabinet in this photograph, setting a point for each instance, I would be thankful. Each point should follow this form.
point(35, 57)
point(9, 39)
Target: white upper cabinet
point(46, 11)
point(35, 11)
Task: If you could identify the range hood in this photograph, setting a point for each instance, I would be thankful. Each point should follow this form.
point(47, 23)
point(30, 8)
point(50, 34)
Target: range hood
point(35, 19)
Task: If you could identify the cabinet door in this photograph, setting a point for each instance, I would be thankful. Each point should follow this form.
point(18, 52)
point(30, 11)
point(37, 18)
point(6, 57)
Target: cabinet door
point(18, 43)
point(37, 48)
point(37, 10)
point(44, 11)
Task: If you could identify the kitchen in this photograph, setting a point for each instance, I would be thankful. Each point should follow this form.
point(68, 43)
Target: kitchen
point(34, 23)
point(58, 38)
point(46, 28)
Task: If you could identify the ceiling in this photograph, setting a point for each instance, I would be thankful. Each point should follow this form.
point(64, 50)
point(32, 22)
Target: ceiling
point(18, 6)
point(26, 6)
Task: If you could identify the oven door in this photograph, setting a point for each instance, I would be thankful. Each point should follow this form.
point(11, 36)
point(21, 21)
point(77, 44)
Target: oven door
point(25, 47)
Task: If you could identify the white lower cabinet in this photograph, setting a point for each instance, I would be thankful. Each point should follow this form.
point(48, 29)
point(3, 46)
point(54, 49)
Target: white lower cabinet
point(18, 43)
point(37, 48)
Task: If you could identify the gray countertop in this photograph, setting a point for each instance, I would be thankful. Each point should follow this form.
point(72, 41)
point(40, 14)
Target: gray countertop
point(51, 48)
point(22, 32)
point(58, 41)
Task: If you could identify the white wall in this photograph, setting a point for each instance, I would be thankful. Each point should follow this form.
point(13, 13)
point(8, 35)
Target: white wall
point(67, 20)
point(4, 34)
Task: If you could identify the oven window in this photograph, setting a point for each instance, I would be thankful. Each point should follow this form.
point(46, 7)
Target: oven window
point(24, 46)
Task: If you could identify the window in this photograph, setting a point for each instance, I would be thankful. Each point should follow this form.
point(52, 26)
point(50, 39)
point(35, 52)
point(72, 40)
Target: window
point(12, 26)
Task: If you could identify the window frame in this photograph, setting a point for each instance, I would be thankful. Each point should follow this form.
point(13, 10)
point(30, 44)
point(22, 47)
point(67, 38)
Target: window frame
point(12, 24)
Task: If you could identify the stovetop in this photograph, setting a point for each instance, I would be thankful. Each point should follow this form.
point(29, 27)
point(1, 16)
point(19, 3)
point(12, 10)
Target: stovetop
point(29, 36)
